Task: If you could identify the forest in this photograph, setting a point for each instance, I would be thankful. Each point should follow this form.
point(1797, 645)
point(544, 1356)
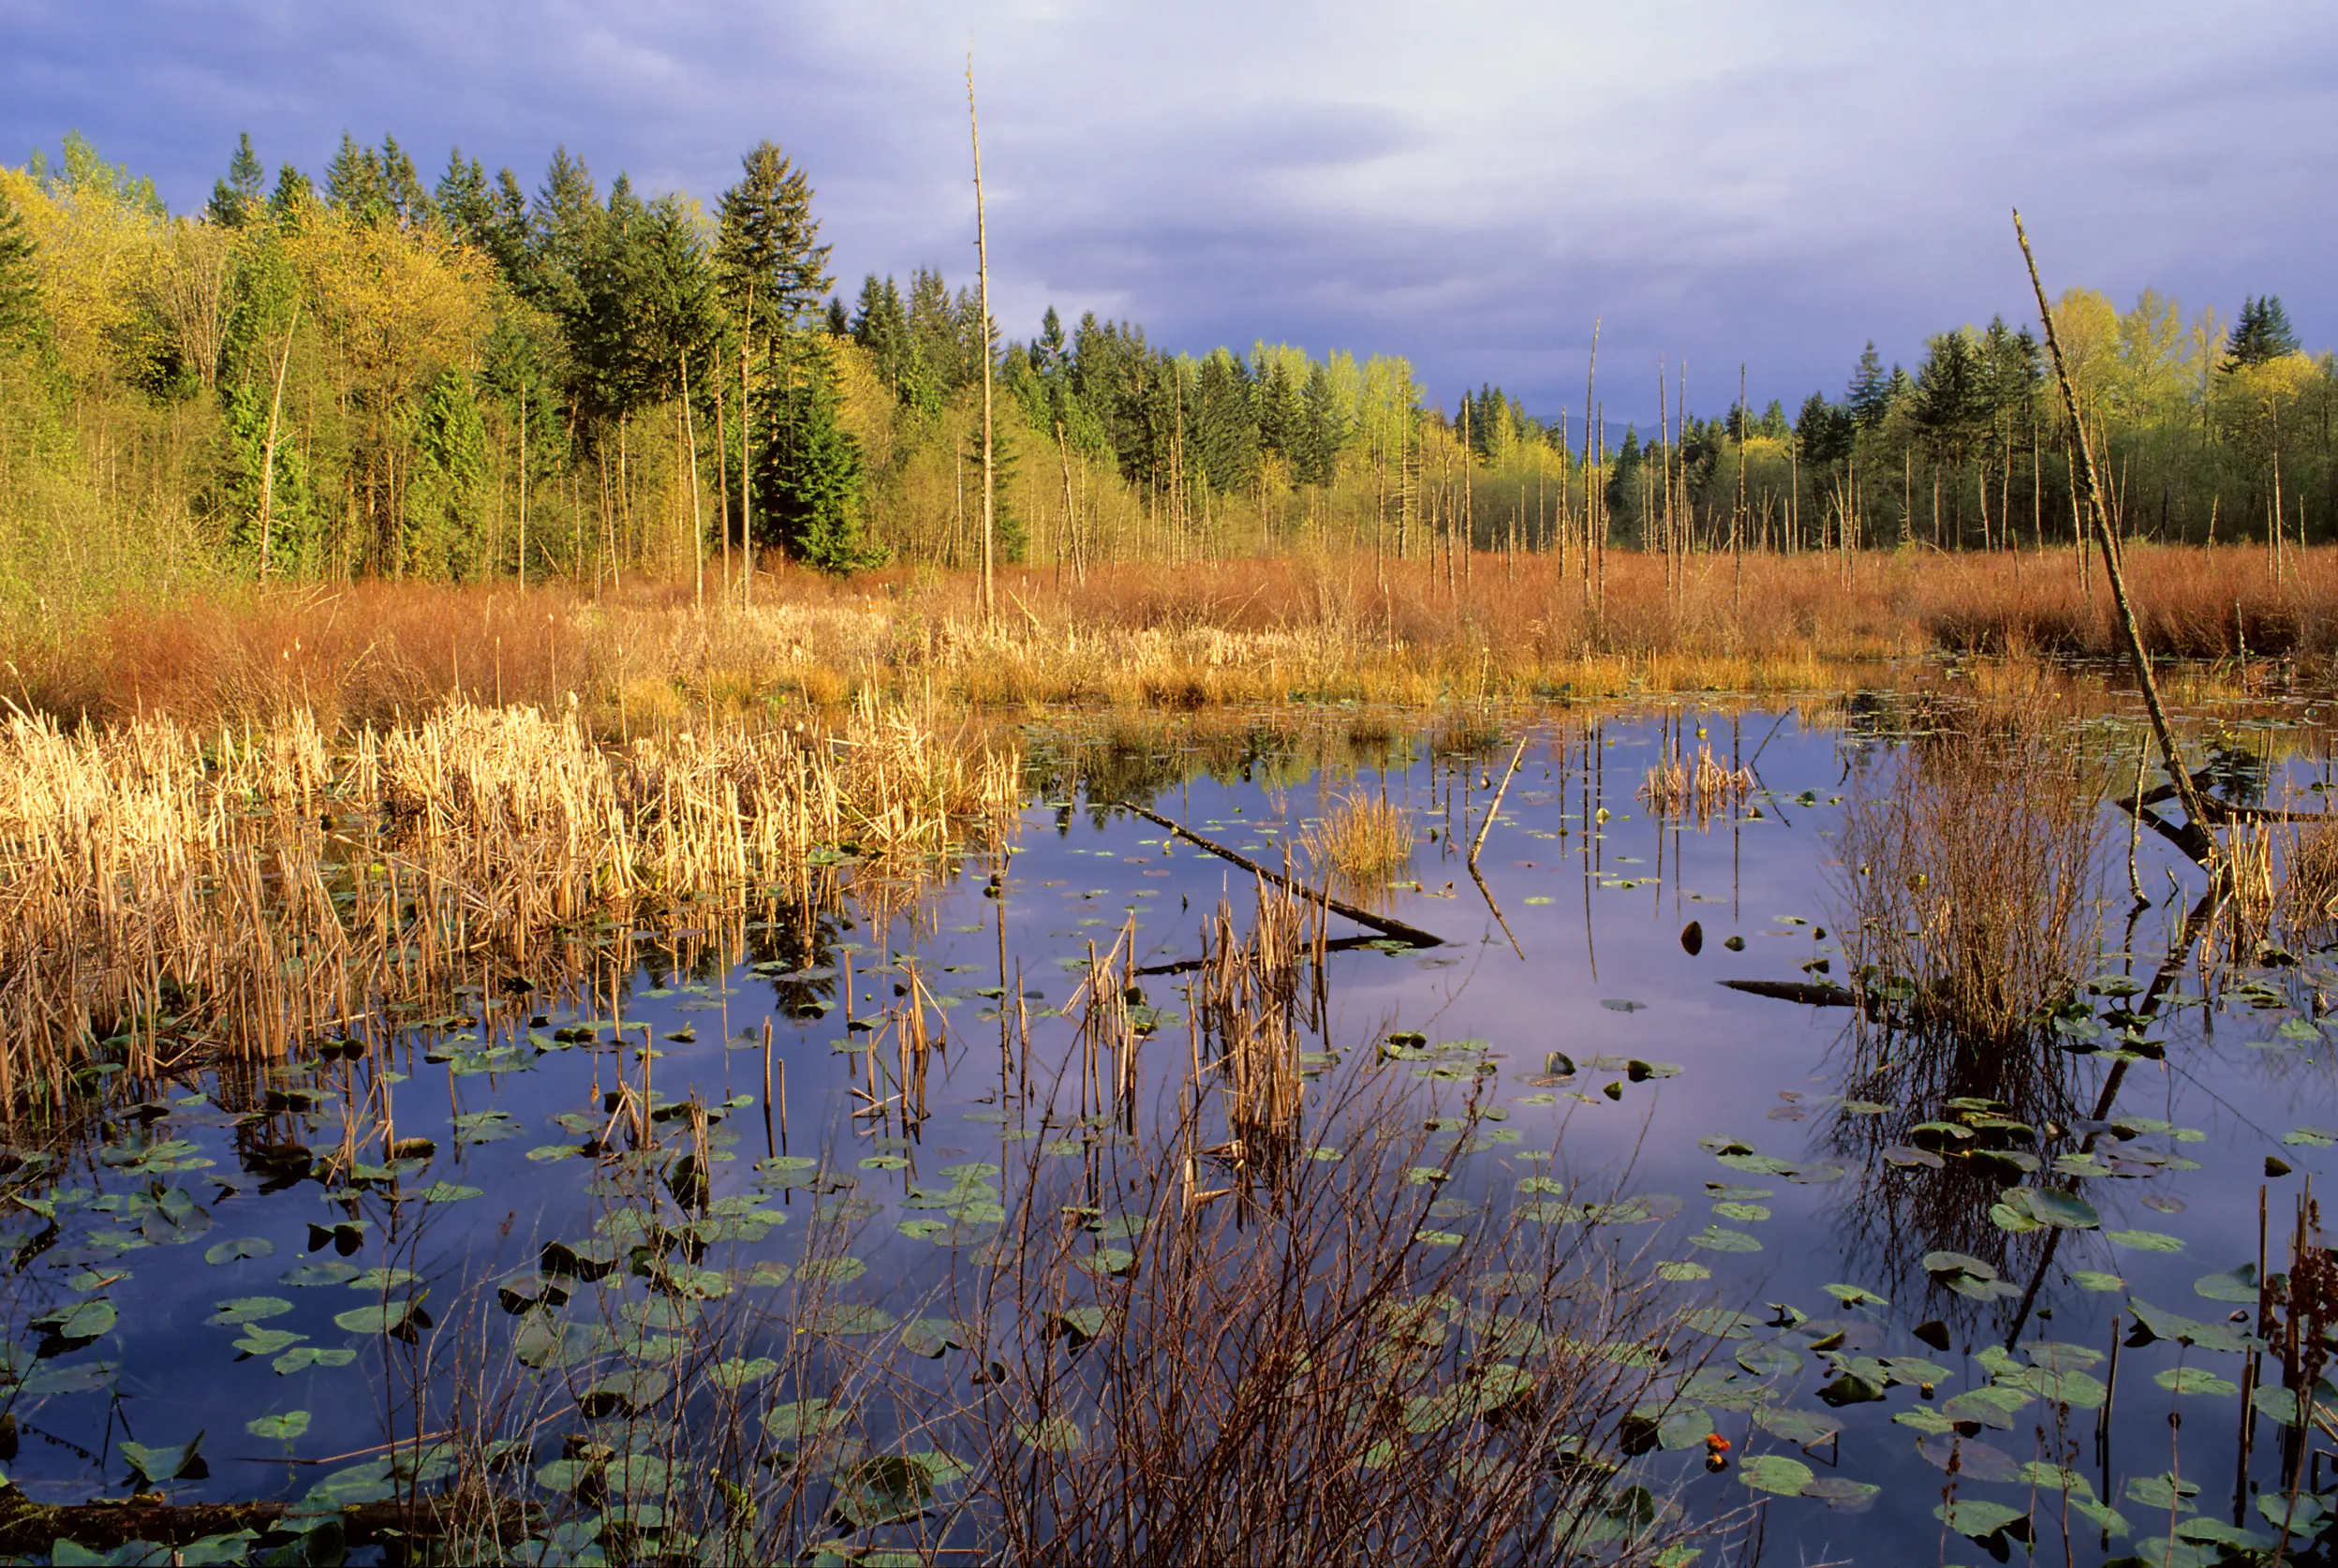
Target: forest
point(366, 374)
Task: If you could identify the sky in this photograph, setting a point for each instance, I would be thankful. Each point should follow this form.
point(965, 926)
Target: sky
point(1472, 184)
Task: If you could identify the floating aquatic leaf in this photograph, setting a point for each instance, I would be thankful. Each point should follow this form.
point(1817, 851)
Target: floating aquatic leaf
point(1775, 1473)
point(1958, 1263)
point(1682, 1273)
point(242, 1246)
point(249, 1309)
point(1720, 1323)
point(2195, 1380)
point(1055, 1435)
point(2145, 1241)
point(256, 1340)
point(847, 1318)
point(2096, 1279)
point(283, 1427)
point(379, 1317)
point(2050, 1206)
point(1802, 1426)
point(2079, 1390)
point(738, 1372)
point(1742, 1213)
point(179, 1463)
point(304, 1357)
point(2239, 1284)
point(447, 1192)
point(86, 1320)
point(1843, 1494)
point(1719, 1239)
point(1769, 1361)
point(1977, 1519)
point(1855, 1295)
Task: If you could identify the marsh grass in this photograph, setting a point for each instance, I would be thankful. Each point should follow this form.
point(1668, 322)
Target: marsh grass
point(1704, 789)
point(1969, 873)
point(1361, 839)
point(165, 892)
point(2307, 900)
point(1200, 635)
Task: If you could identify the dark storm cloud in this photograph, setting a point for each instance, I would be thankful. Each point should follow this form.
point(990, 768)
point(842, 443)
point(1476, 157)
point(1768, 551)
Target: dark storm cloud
point(1469, 184)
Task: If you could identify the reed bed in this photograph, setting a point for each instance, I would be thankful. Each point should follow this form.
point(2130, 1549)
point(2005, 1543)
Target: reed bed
point(1326, 627)
point(246, 894)
point(1704, 789)
point(1362, 840)
point(1969, 872)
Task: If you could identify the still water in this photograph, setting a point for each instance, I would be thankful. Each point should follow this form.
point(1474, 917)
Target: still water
point(216, 1261)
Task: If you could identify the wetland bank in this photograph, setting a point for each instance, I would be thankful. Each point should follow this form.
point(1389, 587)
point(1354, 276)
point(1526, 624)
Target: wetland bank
point(917, 1151)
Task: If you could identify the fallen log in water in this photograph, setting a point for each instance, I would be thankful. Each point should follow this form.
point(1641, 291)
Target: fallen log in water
point(31, 1530)
point(1809, 992)
point(1412, 935)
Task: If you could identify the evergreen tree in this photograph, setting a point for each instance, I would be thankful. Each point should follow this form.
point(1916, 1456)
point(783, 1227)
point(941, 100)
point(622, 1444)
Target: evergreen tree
point(20, 296)
point(1279, 428)
point(1324, 427)
point(402, 187)
point(355, 185)
point(235, 201)
point(292, 197)
point(2263, 333)
point(1823, 430)
point(443, 489)
point(565, 221)
point(1869, 397)
point(769, 246)
point(1950, 399)
point(463, 203)
point(811, 470)
point(1222, 425)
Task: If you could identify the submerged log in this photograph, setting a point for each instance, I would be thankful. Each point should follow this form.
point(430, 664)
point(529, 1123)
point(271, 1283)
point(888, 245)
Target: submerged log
point(29, 1530)
point(1411, 935)
point(1809, 992)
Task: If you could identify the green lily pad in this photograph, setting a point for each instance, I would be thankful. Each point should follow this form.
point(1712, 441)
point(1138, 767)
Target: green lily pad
point(1775, 1473)
point(282, 1428)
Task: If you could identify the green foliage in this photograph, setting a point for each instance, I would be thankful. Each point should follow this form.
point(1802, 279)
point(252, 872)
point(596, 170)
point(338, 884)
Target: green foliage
point(444, 490)
point(2262, 334)
point(811, 471)
point(19, 300)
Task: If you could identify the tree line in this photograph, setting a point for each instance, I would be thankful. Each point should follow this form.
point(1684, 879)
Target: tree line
point(366, 373)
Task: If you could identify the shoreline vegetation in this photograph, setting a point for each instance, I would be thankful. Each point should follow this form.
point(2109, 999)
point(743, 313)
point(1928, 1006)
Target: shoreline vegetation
point(650, 659)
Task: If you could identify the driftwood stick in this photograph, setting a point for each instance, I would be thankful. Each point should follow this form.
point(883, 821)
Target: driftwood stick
point(1412, 935)
point(2087, 482)
point(1495, 810)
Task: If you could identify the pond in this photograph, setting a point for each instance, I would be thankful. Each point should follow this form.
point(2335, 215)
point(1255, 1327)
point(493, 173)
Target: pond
point(1925, 1293)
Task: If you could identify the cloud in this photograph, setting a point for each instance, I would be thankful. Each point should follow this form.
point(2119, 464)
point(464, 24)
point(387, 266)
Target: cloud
point(1469, 184)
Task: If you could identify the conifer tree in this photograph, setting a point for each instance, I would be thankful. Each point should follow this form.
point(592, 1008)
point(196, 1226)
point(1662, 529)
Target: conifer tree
point(2263, 333)
point(812, 476)
point(235, 199)
point(1869, 397)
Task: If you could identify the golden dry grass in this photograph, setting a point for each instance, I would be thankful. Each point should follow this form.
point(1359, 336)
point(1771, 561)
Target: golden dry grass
point(247, 896)
point(1204, 634)
point(1361, 840)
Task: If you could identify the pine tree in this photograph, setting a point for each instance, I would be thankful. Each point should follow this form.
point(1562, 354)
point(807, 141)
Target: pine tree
point(812, 476)
point(2263, 333)
point(769, 243)
point(355, 185)
point(235, 201)
point(20, 297)
point(1869, 397)
point(463, 201)
point(292, 197)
